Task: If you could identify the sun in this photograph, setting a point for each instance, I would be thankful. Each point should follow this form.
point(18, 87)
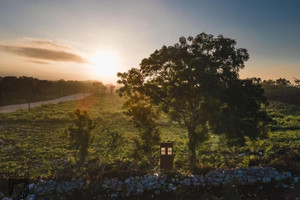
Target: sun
point(104, 64)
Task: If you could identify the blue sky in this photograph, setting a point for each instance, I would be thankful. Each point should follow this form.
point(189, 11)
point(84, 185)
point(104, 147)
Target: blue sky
point(129, 31)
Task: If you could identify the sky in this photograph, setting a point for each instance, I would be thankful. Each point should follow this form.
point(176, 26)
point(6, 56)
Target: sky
point(93, 40)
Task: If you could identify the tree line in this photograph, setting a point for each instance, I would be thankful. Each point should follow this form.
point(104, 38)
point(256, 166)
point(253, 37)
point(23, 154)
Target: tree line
point(14, 90)
point(282, 90)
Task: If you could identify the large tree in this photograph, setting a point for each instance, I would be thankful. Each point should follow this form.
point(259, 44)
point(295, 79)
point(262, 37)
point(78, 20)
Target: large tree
point(196, 82)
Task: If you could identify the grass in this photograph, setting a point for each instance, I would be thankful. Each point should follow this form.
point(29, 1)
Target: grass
point(33, 141)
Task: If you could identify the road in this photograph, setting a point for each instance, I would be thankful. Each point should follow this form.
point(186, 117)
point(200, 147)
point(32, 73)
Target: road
point(12, 108)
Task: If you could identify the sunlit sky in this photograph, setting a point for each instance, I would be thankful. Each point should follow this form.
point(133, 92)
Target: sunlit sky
point(93, 40)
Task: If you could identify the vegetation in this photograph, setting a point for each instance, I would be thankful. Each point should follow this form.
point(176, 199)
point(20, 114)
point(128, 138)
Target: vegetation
point(144, 117)
point(282, 90)
point(34, 142)
point(14, 90)
point(80, 135)
point(196, 82)
point(189, 93)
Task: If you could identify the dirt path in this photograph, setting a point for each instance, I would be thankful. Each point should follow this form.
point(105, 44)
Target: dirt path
point(12, 108)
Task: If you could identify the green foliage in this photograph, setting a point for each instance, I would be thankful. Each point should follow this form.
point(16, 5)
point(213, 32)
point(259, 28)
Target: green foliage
point(110, 147)
point(196, 82)
point(243, 114)
point(24, 149)
point(80, 135)
point(285, 117)
point(144, 116)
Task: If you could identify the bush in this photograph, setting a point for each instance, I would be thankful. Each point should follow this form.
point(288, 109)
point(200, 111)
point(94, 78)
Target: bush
point(80, 135)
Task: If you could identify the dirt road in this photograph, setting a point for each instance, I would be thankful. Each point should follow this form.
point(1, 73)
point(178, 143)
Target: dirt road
point(12, 108)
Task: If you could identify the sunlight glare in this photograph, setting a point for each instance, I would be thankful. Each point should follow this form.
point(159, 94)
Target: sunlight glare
point(105, 64)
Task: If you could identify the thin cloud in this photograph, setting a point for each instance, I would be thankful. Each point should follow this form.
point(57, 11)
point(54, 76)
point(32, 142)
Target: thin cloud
point(46, 43)
point(43, 49)
point(38, 62)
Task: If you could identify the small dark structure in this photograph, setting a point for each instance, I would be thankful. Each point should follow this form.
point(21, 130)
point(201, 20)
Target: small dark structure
point(166, 155)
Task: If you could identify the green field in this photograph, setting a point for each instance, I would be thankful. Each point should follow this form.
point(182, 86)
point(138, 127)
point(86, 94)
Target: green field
point(34, 142)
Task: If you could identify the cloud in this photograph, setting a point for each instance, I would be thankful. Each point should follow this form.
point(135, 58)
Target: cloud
point(43, 49)
point(38, 62)
point(46, 43)
point(45, 54)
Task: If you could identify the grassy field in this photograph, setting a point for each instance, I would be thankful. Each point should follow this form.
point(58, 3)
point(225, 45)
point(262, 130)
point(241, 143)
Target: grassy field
point(34, 141)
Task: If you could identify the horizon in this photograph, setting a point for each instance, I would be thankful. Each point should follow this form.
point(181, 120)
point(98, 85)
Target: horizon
point(96, 39)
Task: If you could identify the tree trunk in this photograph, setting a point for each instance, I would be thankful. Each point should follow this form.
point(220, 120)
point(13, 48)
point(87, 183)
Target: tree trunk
point(193, 161)
point(192, 147)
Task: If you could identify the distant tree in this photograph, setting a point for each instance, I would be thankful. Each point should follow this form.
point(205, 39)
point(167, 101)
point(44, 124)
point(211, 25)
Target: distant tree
point(196, 82)
point(256, 80)
point(97, 87)
point(111, 88)
point(268, 83)
point(28, 89)
point(297, 82)
point(103, 89)
point(34, 92)
point(282, 90)
point(80, 135)
point(62, 83)
point(282, 82)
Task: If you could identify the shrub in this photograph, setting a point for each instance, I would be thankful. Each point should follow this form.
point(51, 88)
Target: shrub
point(80, 135)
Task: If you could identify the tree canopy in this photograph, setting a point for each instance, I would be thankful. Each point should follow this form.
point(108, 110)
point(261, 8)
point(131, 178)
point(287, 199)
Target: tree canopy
point(196, 81)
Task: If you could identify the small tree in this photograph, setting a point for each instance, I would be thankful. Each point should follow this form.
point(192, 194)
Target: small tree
point(80, 135)
point(144, 116)
point(110, 148)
